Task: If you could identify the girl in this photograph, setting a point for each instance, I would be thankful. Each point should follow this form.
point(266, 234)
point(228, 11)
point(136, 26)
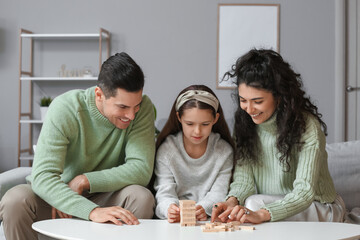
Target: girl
point(280, 147)
point(194, 156)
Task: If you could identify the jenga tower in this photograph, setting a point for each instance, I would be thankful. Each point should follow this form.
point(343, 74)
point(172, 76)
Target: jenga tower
point(187, 213)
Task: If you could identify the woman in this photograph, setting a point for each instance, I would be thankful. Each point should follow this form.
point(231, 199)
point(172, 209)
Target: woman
point(281, 171)
point(194, 156)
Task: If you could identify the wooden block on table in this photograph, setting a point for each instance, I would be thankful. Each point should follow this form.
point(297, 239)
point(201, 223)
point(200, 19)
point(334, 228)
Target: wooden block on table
point(249, 228)
point(220, 227)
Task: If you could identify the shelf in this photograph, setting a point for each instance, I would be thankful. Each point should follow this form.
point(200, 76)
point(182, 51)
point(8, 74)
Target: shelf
point(58, 78)
point(27, 80)
point(35, 121)
point(63, 35)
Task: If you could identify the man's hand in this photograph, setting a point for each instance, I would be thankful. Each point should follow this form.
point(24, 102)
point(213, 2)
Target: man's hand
point(173, 213)
point(54, 211)
point(200, 213)
point(79, 184)
point(113, 214)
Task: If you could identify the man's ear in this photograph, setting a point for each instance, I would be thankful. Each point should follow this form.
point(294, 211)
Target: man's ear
point(99, 94)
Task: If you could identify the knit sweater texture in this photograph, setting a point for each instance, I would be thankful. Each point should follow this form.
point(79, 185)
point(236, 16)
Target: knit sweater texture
point(77, 139)
point(178, 176)
point(308, 179)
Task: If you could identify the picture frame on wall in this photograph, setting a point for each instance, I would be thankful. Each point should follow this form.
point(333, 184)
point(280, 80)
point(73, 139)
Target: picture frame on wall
point(242, 27)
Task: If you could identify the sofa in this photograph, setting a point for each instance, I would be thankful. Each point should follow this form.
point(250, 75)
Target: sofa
point(344, 166)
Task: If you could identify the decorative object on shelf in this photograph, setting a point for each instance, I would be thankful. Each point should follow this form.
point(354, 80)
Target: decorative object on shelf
point(62, 72)
point(87, 72)
point(44, 106)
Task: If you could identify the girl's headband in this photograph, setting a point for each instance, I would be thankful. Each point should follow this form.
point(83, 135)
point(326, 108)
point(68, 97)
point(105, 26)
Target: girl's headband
point(199, 95)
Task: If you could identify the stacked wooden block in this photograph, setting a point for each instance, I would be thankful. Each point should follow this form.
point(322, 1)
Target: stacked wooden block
point(187, 213)
point(224, 227)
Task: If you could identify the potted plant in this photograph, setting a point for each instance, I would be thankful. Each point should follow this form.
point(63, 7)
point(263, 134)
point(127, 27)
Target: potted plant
point(44, 106)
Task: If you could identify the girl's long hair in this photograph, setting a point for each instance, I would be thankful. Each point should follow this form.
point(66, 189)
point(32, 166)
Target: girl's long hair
point(173, 125)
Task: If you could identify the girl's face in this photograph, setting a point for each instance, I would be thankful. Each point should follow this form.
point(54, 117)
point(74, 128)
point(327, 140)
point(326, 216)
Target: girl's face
point(197, 125)
point(259, 104)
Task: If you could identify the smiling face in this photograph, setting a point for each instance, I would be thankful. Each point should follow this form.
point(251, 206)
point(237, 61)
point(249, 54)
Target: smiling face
point(259, 104)
point(197, 125)
point(121, 109)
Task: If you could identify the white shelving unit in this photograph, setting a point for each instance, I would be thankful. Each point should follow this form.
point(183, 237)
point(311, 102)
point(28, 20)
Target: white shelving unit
point(58, 78)
point(26, 118)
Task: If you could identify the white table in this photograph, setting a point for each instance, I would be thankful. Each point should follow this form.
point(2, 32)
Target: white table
point(72, 229)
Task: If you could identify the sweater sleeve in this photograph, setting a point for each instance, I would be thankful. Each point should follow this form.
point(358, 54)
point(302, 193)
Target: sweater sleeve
point(243, 184)
point(49, 162)
point(139, 156)
point(165, 185)
point(220, 186)
point(307, 172)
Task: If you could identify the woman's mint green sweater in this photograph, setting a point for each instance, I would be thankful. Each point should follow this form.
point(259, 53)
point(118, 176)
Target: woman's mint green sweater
point(77, 139)
point(308, 180)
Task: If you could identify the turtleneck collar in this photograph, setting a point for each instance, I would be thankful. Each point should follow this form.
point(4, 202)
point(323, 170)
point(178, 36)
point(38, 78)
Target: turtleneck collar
point(94, 111)
point(269, 125)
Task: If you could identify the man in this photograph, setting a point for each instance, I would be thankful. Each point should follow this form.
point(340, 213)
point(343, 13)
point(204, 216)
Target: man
point(94, 154)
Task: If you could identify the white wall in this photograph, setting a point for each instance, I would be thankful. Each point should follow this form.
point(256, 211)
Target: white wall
point(174, 41)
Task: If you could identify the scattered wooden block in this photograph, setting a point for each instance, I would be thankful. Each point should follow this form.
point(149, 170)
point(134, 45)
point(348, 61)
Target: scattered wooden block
point(248, 228)
point(225, 227)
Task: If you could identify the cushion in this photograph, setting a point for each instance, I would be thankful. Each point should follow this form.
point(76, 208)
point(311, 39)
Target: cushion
point(12, 178)
point(344, 167)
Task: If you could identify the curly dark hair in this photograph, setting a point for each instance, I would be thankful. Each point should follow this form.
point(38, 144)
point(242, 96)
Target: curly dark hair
point(266, 70)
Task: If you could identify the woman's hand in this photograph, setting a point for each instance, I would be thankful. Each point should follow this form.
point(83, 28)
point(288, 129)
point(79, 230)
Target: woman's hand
point(221, 207)
point(200, 213)
point(242, 215)
point(228, 212)
point(258, 216)
point(173, 213)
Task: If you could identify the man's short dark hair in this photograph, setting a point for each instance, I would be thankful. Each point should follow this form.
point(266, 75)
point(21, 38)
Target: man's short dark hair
point(120, 71)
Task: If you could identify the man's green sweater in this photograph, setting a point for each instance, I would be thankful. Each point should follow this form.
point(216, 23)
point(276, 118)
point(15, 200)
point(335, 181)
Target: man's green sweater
point(308, 179)
point(77, 139)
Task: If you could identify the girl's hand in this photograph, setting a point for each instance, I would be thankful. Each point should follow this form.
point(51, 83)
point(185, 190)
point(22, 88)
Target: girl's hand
point(173, 213)
point(200, 213)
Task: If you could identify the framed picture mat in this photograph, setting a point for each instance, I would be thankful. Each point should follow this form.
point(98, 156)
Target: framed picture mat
point(242, 27)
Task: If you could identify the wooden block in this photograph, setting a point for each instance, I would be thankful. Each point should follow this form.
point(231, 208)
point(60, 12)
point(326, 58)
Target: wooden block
point(220, 227)
point(209, 224)
point(249, 228)
point(187, 213)
point(210, 230)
